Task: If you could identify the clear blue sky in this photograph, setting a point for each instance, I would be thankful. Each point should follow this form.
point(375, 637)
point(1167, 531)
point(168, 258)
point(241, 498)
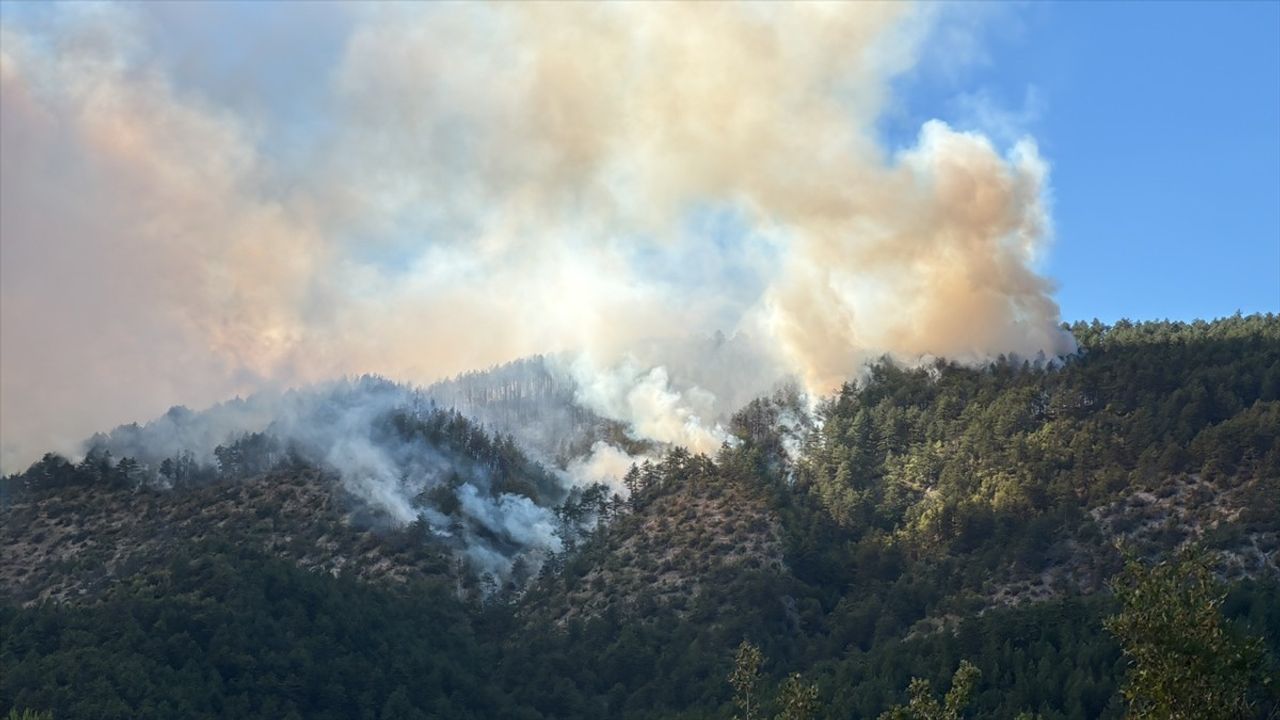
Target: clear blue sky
point(1162, 126)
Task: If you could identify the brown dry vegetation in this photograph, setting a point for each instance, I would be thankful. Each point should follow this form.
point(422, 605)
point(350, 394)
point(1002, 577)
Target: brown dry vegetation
point(705, 532)
point(1238, 518)
point(78, 541)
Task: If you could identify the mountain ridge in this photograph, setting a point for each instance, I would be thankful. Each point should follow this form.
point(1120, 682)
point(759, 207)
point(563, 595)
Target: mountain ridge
point(922, 515)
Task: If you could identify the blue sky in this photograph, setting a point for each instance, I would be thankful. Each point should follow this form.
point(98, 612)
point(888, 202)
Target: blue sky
point(1162, 126)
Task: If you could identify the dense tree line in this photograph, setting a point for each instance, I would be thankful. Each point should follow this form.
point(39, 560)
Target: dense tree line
point(222, 632)
point(945, 454)
point(913, 491)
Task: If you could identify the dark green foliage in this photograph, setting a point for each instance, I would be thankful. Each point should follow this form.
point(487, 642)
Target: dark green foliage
point(220, 632)
point(469, 448)
point(1186, 661)
point(794, 698)
point(797, 700)
point(1053, 658)
point(950, 455)
point(443, 436)
point(880, 554)
point(924, 706)
point(54, 472)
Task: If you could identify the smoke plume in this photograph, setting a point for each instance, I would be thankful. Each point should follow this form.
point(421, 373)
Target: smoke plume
point(469, 184)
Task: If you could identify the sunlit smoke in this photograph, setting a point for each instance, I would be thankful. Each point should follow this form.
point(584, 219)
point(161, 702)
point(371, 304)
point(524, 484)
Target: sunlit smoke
point(493, 181)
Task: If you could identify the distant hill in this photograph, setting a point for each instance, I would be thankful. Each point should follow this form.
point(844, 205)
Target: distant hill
point(534, 401)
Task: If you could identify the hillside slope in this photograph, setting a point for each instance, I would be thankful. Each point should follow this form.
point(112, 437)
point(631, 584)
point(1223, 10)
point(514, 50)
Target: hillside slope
point(686, 535)
point(923, 516)
point(415, 495)
point(946, 512)
point(74, 543)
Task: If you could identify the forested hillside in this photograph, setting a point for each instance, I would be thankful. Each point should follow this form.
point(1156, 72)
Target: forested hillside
point(479, 510)
point(923, 516)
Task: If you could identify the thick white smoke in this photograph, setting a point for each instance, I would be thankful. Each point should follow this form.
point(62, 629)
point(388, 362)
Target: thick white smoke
point(350, 427)
point(487, 182)
point(606, 464)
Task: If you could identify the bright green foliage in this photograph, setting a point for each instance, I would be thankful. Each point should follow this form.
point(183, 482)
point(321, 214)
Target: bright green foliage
point(746, 680)
point(797, 700)
point(924, 706)
point(1186, 662)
